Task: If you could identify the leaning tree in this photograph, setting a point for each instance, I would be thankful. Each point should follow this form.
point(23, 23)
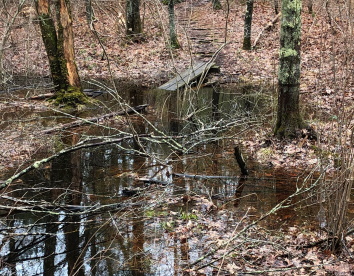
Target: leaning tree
point(58, 39)
point(288, 115)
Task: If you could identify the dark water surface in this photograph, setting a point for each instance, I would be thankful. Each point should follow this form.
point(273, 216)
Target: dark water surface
point(133, 238)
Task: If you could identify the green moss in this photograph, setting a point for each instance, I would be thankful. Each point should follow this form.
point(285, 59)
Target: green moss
point(72, 97)
point(287, 52)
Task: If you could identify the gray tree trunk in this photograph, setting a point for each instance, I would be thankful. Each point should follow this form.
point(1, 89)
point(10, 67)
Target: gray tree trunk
point(248, 26)
point(171, 15)
point(288, 115)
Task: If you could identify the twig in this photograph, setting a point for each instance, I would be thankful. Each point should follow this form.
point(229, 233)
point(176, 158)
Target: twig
point(37, 164)
point(266, 28)
point(83, 121)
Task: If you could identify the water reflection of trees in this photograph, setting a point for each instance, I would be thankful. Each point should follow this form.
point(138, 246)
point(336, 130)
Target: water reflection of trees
point(121, 240)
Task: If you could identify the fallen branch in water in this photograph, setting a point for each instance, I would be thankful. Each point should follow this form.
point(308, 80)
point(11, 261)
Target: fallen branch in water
point(89, 92)
point(37, 164)
point(73, 210)
point(198, 176)
point(83, 121)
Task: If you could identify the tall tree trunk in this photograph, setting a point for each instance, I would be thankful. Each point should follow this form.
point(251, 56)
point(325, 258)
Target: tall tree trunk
point(171, 16)
point(248, 26)
point(50, 40)
point(59, 45)
point(288, 115)
point(133, 20)
point(66, 42)
point(90, 16)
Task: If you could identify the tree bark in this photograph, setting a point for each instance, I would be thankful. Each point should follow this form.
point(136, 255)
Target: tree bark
point(171, 16)
point(248, 26)
point(288, 114)
point(50, 40)
point(58, 39)
point(133, 20)
point(310, 6)
point(66, 43)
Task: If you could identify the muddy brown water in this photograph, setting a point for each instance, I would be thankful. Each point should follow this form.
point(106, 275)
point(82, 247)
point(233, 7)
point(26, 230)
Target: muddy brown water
point(133, 239)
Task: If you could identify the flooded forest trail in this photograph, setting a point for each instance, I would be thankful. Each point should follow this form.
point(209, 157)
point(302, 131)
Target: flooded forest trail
point(135, 205)
point(159, 192)
point(204, 37)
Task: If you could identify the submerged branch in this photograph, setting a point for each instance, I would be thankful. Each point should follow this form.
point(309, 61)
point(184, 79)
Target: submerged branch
point(37, 164)
point(82, 121)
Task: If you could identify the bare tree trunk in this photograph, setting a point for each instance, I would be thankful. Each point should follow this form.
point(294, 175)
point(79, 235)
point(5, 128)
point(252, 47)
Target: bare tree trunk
point(288, 115)
point(89, 12)
point(310, 6)
point(66, 42)
point(50, 40)
point(133, 20)
point(248, 26)
point(171, 16)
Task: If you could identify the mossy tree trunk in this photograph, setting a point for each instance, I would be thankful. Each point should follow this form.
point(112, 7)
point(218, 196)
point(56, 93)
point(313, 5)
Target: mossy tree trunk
point(133, 21)
point(216, 4)
point(50, 40)
point(288, 115)
point(248, 26)
point(171, 16)
point(90, 16)
point(58, 40)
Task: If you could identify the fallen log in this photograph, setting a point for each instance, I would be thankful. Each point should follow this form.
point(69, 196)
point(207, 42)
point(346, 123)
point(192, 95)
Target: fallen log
point(84, 121)
point(88, 92)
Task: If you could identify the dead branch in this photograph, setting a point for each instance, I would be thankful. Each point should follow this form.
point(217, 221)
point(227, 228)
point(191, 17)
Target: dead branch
point(37, 164)
point(197, 176)
point(269, 26)
point(83, 121)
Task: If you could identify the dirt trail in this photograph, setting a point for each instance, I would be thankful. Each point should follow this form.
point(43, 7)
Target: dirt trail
point(204, 37)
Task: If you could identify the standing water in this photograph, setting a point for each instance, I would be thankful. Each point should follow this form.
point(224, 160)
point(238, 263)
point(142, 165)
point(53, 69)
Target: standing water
point(120, 208)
